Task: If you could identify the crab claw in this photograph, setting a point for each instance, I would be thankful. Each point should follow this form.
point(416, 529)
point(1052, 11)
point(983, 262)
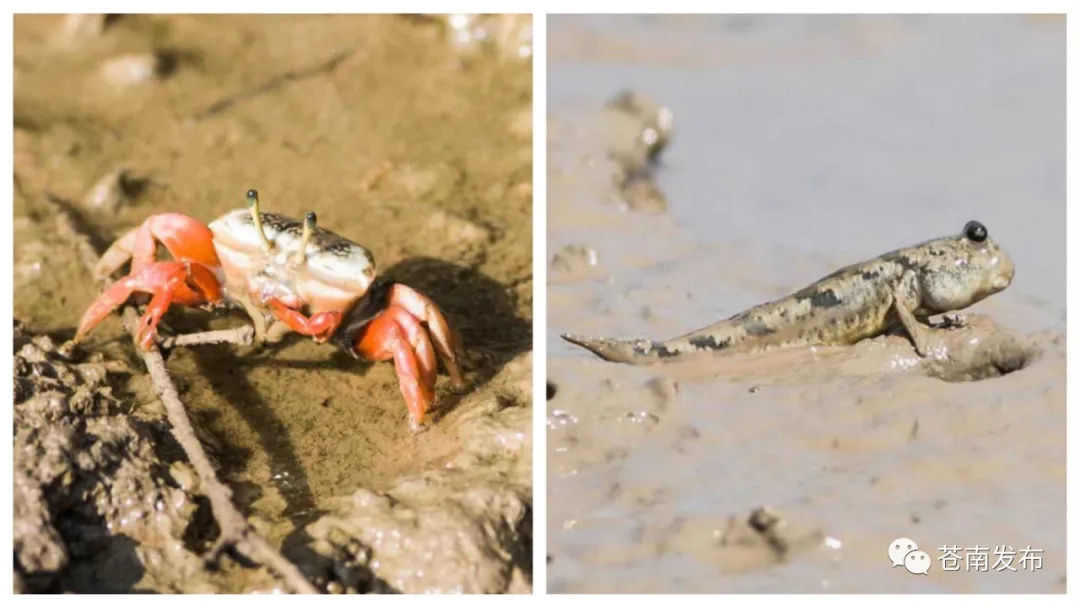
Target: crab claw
point(396, 333)
point(160, 279)
point(423, 309)
point(181, 281)
point(186, 238)
point(319, 326)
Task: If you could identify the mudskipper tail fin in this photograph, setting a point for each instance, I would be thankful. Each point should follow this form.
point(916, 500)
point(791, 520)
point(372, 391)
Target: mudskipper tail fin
point(630, 351)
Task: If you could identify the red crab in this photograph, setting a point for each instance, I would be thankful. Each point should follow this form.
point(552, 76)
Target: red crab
point(298, 276)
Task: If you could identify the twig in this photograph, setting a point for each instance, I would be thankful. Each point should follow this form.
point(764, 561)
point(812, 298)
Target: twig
point(236, 531)
point(276, 82)
point(240, 336)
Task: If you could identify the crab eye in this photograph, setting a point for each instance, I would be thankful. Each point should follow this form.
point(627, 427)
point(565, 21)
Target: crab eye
point(975, 231)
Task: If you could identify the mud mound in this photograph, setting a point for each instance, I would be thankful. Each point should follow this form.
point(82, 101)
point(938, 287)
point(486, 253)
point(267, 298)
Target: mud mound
point(95, 506)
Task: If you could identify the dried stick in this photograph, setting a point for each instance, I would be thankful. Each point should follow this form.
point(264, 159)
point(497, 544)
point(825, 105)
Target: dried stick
point(274, 83)
point(236, 531)
point(240, 336)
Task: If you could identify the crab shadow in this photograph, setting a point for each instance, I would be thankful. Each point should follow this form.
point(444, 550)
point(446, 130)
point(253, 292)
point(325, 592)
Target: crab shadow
point(230, 381)
point(482, 310)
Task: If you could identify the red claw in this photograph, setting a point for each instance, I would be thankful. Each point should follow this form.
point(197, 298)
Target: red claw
point(319, 326)
point(423, 309)
point(397, 334)
point(185, 238)
point(189, 279)
point(160, 279)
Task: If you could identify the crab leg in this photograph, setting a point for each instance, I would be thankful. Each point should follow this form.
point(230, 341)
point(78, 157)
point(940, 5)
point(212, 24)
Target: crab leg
point(396, 333)
point(425, 310)
point(161, 279)
point(320, 326)
point(184, 237)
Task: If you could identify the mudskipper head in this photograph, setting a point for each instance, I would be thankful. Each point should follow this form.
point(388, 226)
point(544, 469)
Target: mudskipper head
point(963, 269)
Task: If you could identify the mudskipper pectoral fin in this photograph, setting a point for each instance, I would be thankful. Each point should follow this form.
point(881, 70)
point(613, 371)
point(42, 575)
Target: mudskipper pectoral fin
point(904, 303)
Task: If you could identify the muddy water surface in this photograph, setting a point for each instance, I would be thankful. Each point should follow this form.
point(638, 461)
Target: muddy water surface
point(801, 145)
point(403, 135)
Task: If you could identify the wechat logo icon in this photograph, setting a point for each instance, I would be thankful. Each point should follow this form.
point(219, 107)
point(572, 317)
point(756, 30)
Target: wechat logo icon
point(905, 553)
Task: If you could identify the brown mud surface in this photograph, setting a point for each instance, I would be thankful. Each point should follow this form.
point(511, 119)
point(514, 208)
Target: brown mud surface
point(410, 136)
point(800, 145)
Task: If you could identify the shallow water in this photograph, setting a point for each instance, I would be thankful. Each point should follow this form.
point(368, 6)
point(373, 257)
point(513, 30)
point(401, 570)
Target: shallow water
point(802, 144)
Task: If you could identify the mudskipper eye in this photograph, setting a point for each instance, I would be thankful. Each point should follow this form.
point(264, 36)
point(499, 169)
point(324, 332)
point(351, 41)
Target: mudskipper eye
point(975, 231)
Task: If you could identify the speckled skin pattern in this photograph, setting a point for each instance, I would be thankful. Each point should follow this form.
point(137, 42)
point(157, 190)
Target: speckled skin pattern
point(341, 256)
point(281, 228)
point(900, 288)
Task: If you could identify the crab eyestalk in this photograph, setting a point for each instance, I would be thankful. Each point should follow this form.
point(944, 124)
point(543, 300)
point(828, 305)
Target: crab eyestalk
point(309, 227)
point(253, 206)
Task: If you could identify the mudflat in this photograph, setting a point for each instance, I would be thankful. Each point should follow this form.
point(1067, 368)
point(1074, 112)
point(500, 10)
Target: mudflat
point(797, 146)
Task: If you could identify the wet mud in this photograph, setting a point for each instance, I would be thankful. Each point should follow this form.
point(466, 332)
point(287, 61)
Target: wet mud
point(411, 136)
point(791, 153)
